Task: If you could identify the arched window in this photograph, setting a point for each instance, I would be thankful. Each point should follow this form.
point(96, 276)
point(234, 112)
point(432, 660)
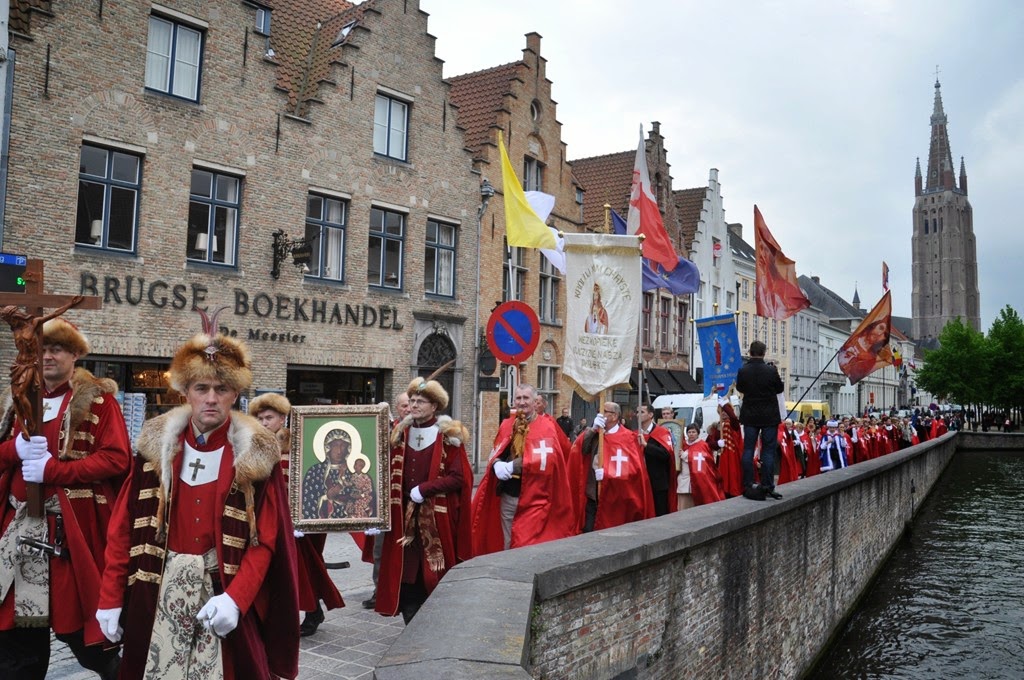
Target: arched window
point(437, 350)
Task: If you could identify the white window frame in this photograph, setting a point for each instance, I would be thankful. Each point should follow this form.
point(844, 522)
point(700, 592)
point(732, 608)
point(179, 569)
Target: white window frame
point(550, 288)
point(443, 282)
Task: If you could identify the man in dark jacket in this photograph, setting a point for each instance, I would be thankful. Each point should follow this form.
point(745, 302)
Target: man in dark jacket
point(760, 384)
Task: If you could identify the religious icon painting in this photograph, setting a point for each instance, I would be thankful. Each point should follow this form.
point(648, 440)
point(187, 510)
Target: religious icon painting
point(339, 468)
point(677, 429)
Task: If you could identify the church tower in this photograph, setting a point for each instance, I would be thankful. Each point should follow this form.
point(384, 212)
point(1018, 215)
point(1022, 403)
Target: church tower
point(945, 260)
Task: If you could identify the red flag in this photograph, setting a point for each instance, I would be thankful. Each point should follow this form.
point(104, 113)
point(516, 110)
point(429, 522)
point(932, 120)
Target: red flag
point(777, 291)
point(645, 218)
point(867, 350)
point(885, 277)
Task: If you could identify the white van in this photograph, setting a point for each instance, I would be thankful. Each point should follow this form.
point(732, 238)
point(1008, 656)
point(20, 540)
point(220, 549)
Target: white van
point(694, 408)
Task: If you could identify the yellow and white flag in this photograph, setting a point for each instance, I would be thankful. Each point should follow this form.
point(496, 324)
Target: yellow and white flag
point(523, 228)
point(603, 288)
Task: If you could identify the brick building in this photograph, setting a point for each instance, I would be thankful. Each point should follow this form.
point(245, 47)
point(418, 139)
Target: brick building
point(157, 149)
point(665, 336)
point(515, 98)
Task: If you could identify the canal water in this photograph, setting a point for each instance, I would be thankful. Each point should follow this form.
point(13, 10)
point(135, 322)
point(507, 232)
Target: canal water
point(949, 603)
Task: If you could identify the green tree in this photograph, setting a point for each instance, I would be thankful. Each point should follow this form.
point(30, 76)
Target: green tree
point(958, 370)
point(1006, 347)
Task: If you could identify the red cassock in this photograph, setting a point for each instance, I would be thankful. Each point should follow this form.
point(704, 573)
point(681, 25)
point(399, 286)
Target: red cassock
point(705, 481)
point(813, 461)
point(789, 466)
point(938, 428)
point(625, 493)
point(446, 482)
point(86, 479)
point(546, 509)
point(729, 460)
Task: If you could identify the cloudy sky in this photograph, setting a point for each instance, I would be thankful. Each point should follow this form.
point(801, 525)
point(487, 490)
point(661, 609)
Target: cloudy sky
point(815, 111)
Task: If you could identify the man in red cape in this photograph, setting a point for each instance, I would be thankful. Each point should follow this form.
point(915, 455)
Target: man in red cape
point(660, 459)
point(617, 490)
point(731, 451)
point(789, 467)
point(315, 584)
point(200, 553)
point(524, 497)
point(83, 457)
point(431, 484)
point(705, 481)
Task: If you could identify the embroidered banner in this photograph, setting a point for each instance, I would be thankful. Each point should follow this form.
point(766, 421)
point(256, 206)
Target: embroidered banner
point(719, 351)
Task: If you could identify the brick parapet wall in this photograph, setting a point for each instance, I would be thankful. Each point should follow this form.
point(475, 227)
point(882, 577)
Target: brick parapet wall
point(732, 589)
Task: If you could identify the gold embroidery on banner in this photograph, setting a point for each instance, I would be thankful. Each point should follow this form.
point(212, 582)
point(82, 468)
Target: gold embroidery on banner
point(234, 542)
point(148, 493)
point(143, 522)
point(235, 513)
point(231, 569)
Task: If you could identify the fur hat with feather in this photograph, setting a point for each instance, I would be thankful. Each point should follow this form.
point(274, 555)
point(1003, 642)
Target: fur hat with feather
point(211, 356)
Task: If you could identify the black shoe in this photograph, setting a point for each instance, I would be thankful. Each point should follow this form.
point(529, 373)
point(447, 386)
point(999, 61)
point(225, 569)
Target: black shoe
point(754, 493)
point(371, 603)
point(312, 621)
point(771, 493)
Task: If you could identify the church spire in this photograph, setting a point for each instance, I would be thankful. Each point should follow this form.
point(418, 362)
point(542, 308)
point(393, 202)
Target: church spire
point(856, 297)
point(917, 178)
point(940, 158)
point(963, 176)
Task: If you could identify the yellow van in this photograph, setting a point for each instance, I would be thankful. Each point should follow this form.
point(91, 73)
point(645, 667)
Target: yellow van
point(817, 409)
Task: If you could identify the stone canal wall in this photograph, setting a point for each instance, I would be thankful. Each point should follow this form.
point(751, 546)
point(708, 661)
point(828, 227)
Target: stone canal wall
point(733, 589)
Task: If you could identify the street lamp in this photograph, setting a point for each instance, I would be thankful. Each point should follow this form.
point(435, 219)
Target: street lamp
point(486, 193)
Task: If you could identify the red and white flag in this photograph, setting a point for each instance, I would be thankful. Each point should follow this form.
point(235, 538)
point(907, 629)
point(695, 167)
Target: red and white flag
point(645, 218)
point(777, 290)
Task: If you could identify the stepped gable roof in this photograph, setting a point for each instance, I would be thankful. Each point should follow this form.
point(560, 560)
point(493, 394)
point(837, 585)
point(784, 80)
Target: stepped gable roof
point(304, 37)
point(828, 301)
point(479, 98)
point(20, 19)
point(606, 179)
point(689, 204)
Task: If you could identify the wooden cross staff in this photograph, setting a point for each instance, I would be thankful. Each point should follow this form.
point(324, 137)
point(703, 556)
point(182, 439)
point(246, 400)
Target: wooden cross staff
point(27, 369)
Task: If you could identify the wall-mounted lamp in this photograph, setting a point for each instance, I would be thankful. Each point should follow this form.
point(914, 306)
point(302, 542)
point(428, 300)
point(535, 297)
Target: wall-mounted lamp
point(486, 192)
point(301, 251)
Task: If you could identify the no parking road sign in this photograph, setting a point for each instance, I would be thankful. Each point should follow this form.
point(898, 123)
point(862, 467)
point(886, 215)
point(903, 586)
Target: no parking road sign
point(513, 332)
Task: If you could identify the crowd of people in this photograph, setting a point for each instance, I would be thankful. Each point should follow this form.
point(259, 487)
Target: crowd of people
point(180, 559)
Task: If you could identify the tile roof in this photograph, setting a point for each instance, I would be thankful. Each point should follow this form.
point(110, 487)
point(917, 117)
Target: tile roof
point(828, 301)
point(741, 248)
point(605, 179)
point(689, 204)
point(479, 97)
point(303, 36)
point(20, 20)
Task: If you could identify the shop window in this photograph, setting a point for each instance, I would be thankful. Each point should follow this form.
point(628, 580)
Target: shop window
point(390, 127)
point(439, 260)
point(214, 202)
point(387, 242)
point(173, 58)
point(325, 232)
point(108, 199)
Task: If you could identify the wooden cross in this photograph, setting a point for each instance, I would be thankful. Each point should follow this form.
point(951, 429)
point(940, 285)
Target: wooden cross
point(196, 466)
point(26, 372)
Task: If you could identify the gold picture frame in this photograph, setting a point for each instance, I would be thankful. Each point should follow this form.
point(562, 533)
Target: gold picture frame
point(339, 468)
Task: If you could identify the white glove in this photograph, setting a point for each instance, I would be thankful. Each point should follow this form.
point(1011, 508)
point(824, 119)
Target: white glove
point(503, 470)
point(220, 613)
point(855, 436)
point(32, 469)
point(415, 495)
point(599, 421)
point(371, 532)
point(297, 533)
point(31, 448)
point(722, 401)
point(599, 474)
point(721, 443)
point(108, 619)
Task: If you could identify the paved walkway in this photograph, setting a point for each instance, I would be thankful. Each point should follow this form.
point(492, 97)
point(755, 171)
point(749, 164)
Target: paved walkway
point(347, 646)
